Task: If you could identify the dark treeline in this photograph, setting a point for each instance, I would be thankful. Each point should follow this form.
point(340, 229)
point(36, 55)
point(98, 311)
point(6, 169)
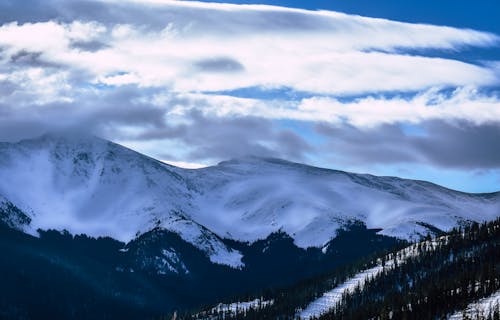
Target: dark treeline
point(431, 283)
point(287, 300)
point(62, 276)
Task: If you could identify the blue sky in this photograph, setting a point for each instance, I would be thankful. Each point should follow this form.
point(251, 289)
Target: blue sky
point(405, 88)
point(480, 14)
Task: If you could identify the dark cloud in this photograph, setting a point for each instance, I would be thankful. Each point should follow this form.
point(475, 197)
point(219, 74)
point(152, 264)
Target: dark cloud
point(225, 138)
point(27, 11)
point(358, 146)
point(461, 145)
point(95, 112)
point(220, 64)
point(90, 46)
point(112, 113)
point(25, 58)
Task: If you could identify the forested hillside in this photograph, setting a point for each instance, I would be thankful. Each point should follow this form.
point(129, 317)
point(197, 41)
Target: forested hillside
point(463, 267)
point(432, 279)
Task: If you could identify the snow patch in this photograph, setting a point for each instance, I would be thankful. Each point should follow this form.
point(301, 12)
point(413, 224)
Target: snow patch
point(171, 262)
point(479, 309)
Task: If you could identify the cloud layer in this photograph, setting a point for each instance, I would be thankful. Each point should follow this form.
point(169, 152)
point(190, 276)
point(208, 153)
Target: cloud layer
point(215, 47)
point(166, 78)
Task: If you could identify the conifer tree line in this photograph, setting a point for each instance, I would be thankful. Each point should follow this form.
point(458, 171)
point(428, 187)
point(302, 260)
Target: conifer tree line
point(432, 283)
point(287, 301)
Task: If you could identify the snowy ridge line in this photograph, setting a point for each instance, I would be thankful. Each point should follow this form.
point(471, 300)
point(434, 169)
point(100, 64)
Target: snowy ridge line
point(87, 185)
point(483, 307)
point(333, 298)
point(235, 308)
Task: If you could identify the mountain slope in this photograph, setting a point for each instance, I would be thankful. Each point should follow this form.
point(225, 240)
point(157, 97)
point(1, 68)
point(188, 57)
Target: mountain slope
point(95, 187)
point(90, 186)
point(146, 237)
point(57, 275)
point(256, 196)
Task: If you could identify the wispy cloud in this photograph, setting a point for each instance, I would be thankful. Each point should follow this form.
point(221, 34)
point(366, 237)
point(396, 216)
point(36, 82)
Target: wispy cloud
point(320, 52)
point(461, 104)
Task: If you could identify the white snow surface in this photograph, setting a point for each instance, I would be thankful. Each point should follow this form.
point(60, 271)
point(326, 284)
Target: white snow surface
point(92, 186)
point(249, 198)
point(330, 299)
point(482, 307)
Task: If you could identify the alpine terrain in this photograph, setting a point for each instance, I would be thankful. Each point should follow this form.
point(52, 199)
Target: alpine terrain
point(130, 236)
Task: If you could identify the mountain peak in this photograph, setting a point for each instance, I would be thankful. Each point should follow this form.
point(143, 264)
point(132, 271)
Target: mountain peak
point(68, 137)
point(70, 144)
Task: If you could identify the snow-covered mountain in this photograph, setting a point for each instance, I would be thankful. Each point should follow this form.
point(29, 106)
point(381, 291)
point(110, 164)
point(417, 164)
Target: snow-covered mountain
point(90, 186)
point(95, 187)
point(249, 198)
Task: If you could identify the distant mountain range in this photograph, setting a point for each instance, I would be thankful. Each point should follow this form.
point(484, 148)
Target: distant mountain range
point(234, 228)
point(98, 188)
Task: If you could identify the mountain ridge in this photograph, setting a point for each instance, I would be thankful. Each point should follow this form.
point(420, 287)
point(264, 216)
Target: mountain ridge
point(85, 184)
point(348, 173)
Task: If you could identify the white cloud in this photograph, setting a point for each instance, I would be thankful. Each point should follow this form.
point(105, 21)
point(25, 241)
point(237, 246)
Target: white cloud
point(47, 37)
point(465, 103)
point(313, 51)
point(36, 85)
point(186, 165)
